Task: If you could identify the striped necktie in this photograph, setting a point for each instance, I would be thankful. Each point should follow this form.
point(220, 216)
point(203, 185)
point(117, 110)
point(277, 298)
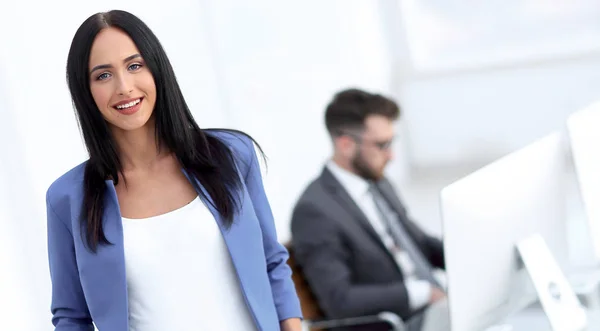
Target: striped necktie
point(397, 231)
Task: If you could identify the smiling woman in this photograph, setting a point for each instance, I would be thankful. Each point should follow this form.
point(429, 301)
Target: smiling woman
point(120, 81)
point(166, 226)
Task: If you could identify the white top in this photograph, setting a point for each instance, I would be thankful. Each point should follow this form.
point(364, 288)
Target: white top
point(419, 290)
point(180, 275)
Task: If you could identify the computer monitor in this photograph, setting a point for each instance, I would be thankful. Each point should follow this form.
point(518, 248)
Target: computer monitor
point(584, 135)
point(485, 214)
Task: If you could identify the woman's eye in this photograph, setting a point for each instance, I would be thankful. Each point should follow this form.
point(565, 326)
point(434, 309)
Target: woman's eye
point(103, 76)
point(135, 66)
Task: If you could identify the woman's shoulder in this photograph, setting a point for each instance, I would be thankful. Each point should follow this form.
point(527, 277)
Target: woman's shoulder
point(240, 144)
point(238, 140)
point(66, 186)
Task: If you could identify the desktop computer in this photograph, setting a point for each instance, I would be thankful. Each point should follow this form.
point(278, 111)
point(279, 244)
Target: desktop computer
point(486, 214)
point(584, 135)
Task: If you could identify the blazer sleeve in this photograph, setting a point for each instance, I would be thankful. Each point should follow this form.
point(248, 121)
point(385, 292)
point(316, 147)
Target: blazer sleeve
point(280, 275)
point(68, 307)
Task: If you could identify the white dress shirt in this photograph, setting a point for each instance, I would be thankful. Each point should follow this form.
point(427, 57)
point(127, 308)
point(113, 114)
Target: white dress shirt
point(180, 275)
point(419, 291)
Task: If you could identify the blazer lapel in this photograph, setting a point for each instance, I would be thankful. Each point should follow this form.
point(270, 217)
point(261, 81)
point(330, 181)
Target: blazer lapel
point(348, 203)
point(103, 272)
point(389, 194)
point(230, 236)
point(238, 233)
point(391, 198)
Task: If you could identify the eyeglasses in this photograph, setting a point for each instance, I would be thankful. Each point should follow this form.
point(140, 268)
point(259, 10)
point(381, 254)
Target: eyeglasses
point(381, 145)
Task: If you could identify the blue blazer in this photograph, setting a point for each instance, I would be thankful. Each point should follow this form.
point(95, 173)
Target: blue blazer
point(90, 286)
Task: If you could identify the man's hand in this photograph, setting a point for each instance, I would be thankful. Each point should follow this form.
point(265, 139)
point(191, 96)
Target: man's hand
point(291, 324)
point(436, 295)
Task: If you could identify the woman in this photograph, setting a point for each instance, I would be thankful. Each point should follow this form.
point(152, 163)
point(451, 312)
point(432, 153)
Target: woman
point(166, 226)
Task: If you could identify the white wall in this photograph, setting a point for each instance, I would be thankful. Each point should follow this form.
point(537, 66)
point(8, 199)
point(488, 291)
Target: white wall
point(486, 78)
point(281, 63)
point(21, 239)
point(469, 116)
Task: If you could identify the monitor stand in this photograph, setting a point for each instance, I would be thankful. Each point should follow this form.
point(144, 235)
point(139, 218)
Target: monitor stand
point(558, 300)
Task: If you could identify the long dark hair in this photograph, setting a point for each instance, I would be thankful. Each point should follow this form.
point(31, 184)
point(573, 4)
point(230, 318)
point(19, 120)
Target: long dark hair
point(202, 155)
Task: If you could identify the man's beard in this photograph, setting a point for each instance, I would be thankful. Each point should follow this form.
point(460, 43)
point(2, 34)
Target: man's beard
point(362, 168)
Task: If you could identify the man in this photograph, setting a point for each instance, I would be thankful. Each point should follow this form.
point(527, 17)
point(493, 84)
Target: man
point(351, 235)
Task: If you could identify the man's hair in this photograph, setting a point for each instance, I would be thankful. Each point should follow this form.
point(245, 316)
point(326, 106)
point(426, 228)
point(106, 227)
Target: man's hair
point(349, 109)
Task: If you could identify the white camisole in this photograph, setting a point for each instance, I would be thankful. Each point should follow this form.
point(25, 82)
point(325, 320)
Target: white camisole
point(180, 275)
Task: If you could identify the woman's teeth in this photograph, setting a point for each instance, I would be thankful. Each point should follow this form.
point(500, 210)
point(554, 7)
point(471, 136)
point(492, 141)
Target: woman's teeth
point(128, 105)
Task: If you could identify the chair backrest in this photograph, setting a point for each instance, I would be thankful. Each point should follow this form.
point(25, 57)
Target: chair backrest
point(310, 308)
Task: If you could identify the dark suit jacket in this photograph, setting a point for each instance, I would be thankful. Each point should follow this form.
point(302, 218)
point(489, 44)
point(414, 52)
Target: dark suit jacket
point(343, 259)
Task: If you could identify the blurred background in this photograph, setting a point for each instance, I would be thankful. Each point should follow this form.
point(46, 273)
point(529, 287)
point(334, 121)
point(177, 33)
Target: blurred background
point(475, 79)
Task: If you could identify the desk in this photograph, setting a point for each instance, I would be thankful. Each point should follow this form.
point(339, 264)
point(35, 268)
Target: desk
point(534, 318)
point(585, 283)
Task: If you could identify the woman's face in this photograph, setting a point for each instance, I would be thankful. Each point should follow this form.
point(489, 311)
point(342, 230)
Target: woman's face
point(121, 84)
